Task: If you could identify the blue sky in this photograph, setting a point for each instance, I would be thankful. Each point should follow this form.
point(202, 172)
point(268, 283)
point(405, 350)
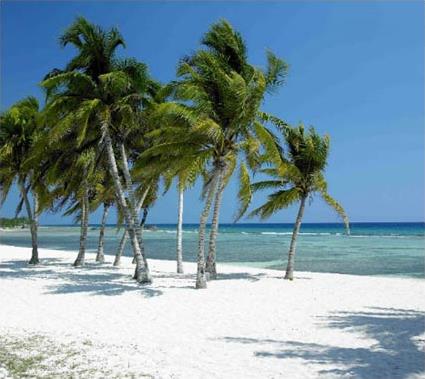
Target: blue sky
point(356, 72)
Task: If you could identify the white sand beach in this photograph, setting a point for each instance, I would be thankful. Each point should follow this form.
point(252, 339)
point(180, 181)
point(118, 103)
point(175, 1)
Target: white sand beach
point(97, 322)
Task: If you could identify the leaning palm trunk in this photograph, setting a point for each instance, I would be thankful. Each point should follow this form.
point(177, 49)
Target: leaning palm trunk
point(179, 250)
point(124, 238)
point(211, 265)
point(121, 247)
point(33, 222)
point(291, 256)
point(100, 256)
point(142, 223)
point(83, 230)
point(142, 274)
point(132, 202)
point(201, 281)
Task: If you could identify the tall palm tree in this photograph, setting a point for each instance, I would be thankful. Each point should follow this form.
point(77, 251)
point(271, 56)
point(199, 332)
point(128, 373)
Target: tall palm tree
point(225, 91)
point(19, 127)
point(295, 178)
point(99, 94)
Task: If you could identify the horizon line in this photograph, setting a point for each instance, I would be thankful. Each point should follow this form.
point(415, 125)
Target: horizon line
point(255, 223)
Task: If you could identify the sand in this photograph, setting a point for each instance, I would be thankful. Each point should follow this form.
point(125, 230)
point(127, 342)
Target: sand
point(248, 324)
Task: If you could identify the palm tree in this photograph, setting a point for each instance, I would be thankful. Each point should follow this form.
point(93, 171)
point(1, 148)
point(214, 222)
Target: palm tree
point(71, 175)
point(183, 149)
point(185, 178)
point(18, 132)
point(295, 178)
point(98, 94)
point(225, 91)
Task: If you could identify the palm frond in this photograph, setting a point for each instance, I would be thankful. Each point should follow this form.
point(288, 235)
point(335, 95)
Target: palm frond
point(245, 191)
point(277, 201)
point(338, 208)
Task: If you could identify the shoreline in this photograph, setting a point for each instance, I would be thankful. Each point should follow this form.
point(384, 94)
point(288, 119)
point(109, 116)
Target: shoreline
point(240, 265)
point(249, 323)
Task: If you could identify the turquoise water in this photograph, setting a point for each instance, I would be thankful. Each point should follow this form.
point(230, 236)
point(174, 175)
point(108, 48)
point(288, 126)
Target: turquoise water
point(371, 249)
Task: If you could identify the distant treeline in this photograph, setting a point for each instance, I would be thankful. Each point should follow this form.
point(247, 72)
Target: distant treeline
point(14, 222)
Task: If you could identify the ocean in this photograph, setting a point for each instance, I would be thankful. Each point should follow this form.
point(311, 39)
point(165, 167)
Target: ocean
point(386, 249)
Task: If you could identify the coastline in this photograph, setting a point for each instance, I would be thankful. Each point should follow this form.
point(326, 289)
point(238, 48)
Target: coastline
point(250, 323)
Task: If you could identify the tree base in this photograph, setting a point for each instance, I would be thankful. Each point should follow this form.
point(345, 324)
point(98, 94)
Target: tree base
point(144, 279)
point(180, 270)
point(100, 258)
point(201, 282)
point(211, 275)
point(142, 276)
point(289, 276)
point(34, 261)
point(117, 263)
point(211, 270)
point(78, 263)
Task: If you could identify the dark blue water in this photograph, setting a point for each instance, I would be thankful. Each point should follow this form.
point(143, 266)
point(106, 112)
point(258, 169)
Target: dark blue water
point(371, 249)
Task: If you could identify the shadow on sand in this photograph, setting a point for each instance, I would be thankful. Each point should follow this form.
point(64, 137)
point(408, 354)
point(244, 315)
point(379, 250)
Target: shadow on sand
point(103, 279)
point(397, 353)
point(93, 278)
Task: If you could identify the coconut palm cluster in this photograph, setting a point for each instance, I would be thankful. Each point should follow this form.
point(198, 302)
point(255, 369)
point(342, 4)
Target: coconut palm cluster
point(110, 135)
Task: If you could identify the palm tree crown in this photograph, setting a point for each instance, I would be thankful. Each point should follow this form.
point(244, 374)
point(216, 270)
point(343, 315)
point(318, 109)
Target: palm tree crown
point(299, 175)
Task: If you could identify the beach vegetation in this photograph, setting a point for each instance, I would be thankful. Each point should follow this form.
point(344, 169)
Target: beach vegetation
point(19, 129)
point(295, 177)
point(110, 135)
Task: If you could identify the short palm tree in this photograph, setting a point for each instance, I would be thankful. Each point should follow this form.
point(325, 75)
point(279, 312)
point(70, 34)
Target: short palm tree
point(295, 178)
point(18, 131)
point(71, 175)
point(185, 179)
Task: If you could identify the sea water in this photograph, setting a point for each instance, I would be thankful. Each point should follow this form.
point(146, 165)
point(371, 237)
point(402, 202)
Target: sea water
point(390, 249)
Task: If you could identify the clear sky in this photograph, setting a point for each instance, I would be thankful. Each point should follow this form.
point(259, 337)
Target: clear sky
point(356, 72)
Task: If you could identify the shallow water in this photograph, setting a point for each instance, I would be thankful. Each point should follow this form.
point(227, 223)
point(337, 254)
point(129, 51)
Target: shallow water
point(371, 249)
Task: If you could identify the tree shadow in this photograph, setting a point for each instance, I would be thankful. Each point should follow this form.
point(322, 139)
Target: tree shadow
point(92, 278)
point(397, 353)
point(240, 276)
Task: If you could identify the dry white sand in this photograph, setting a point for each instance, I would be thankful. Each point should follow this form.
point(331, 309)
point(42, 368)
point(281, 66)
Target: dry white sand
point(248, 324)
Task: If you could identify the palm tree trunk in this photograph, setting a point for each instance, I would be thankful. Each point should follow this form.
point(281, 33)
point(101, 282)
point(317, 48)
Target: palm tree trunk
point(79, 261)
point(291, 256)
point(124, 237)
point(179, 249)
point(211, 265)
point(201, 281)
point(142, 274)
point(132, 203)
point(34, 255)
point(33, 223)
point(127, 177)
point(121, 248)
point(100, 256)
point(142, 223)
